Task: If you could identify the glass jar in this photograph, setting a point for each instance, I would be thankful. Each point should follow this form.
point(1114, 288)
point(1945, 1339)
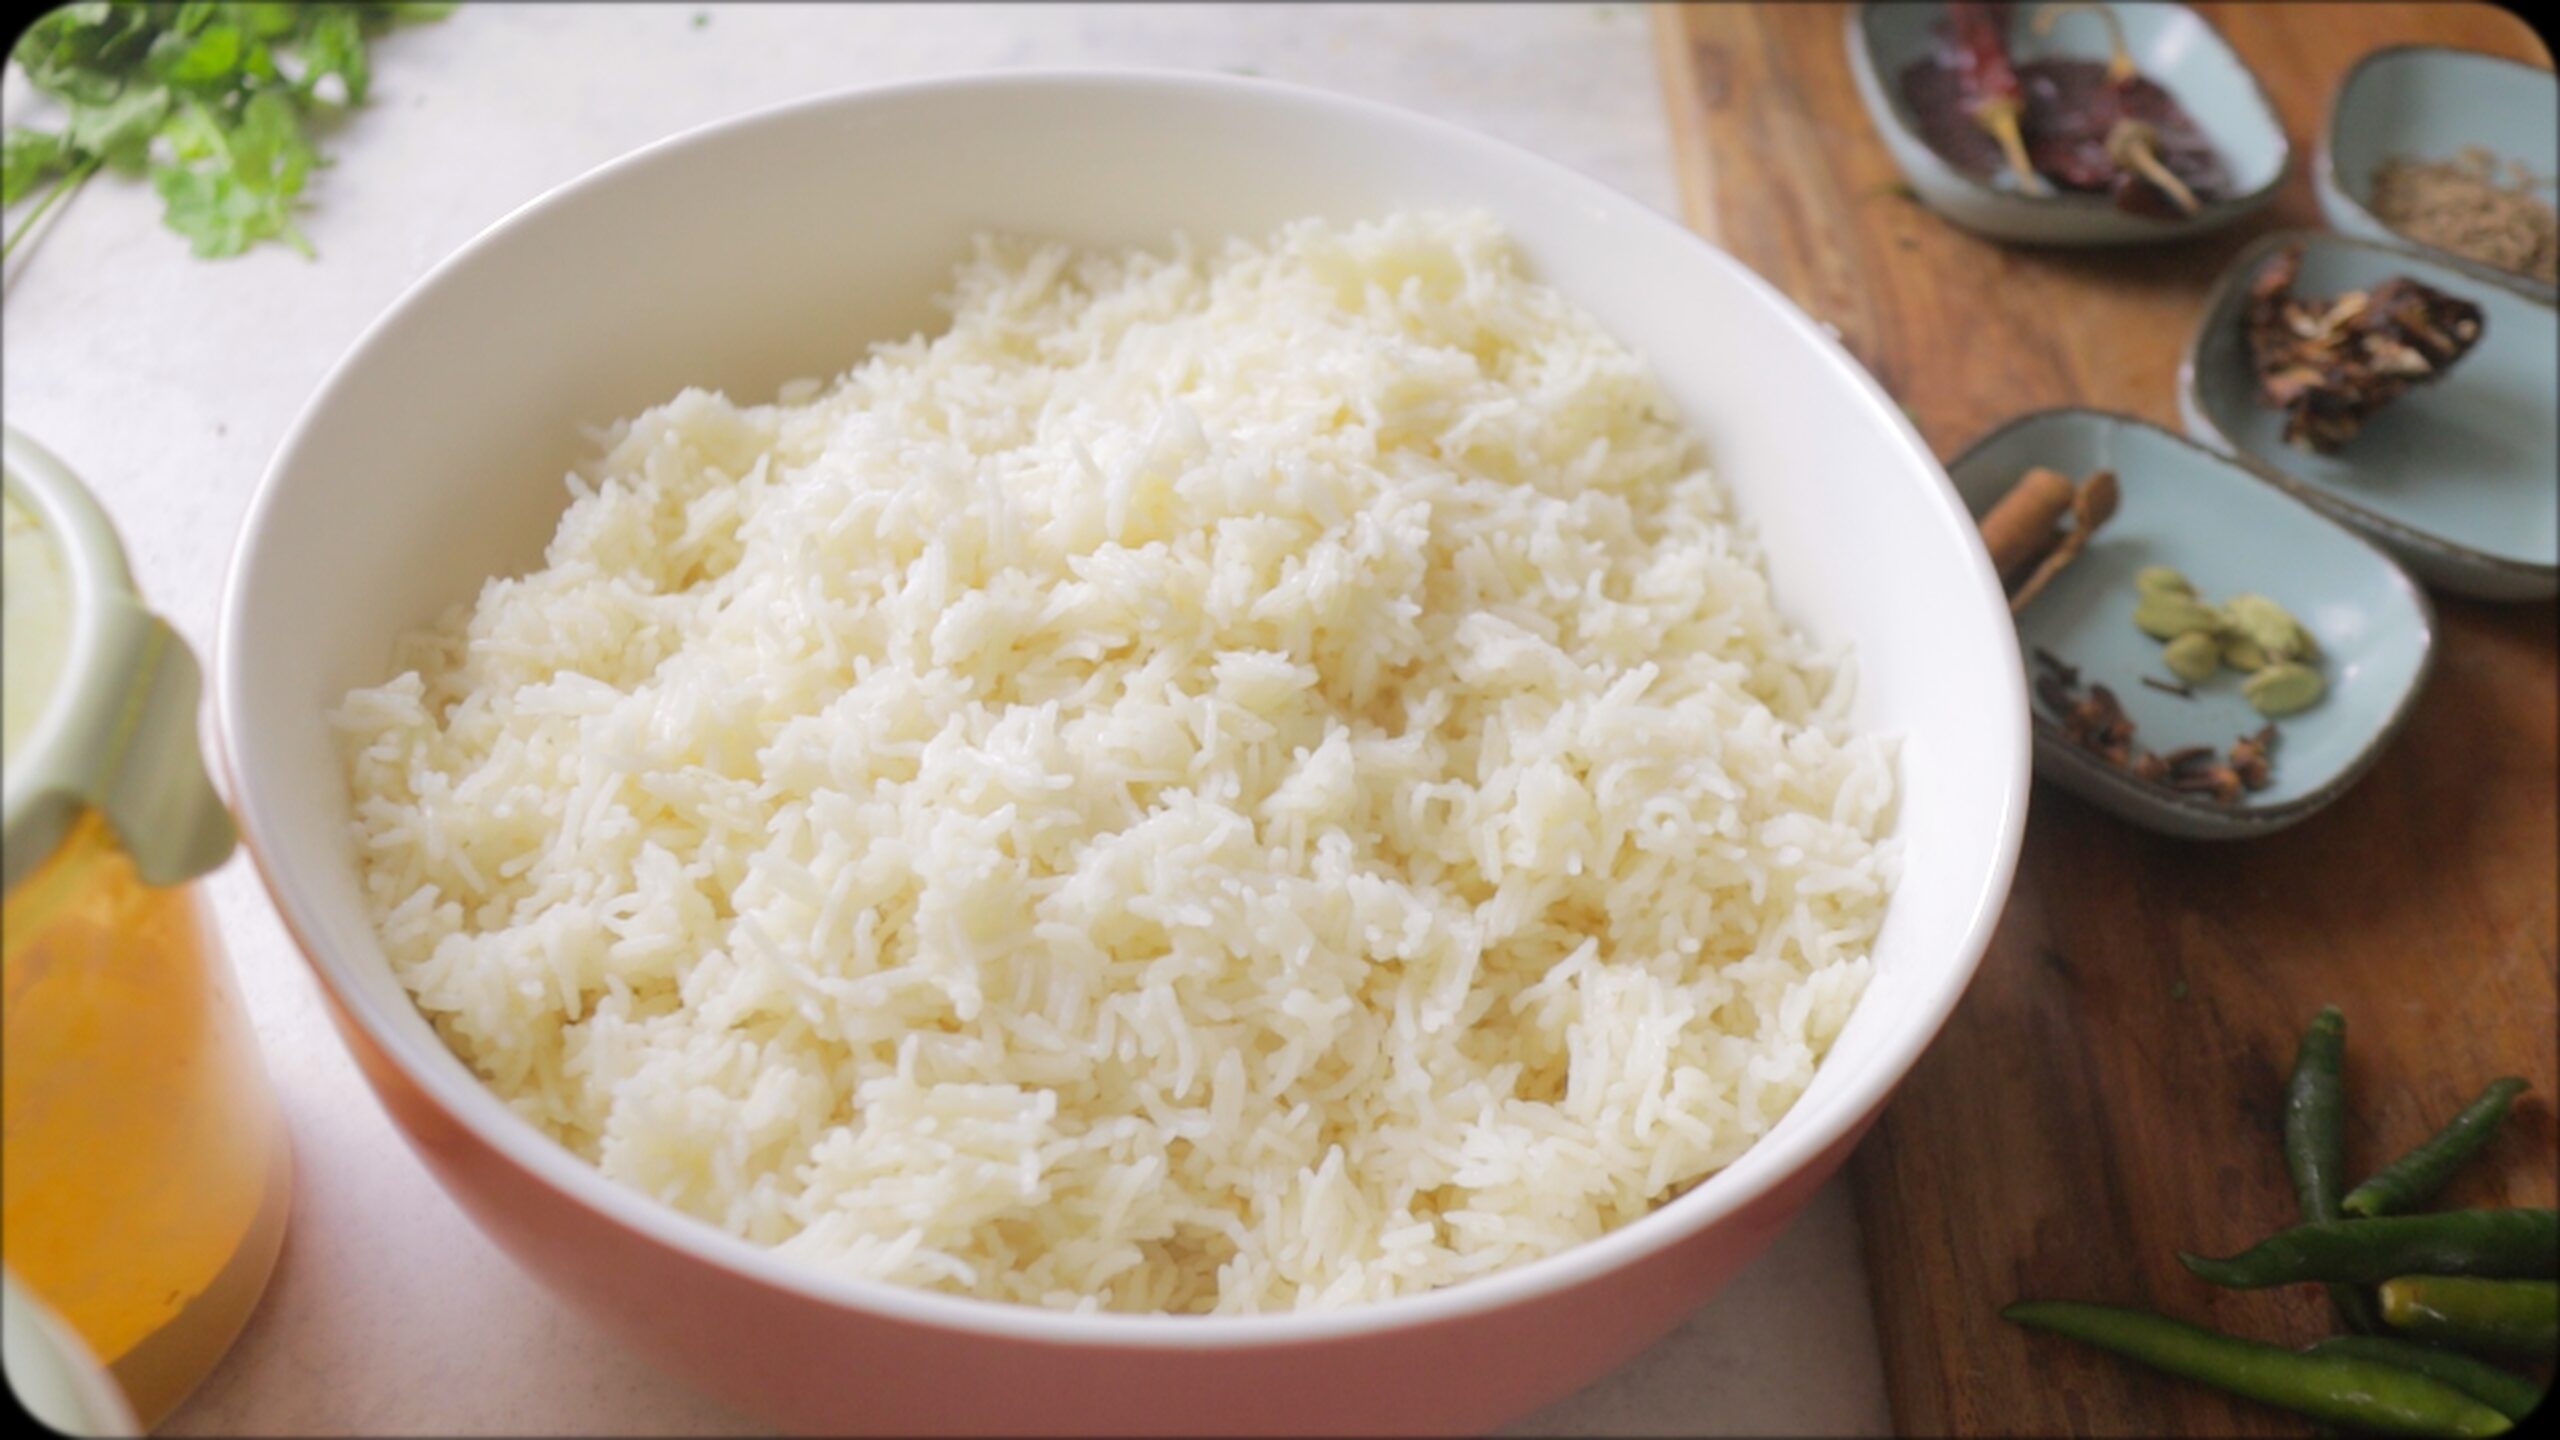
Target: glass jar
point(144, 1171)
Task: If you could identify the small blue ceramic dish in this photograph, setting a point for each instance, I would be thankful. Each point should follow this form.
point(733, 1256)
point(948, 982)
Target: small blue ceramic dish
point(2460, 478)
point(2229, 531)
point(2430, 102)
point(2171, 44)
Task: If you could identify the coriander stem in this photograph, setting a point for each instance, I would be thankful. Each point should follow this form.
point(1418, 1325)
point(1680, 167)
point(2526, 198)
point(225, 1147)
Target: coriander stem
point(71, 179)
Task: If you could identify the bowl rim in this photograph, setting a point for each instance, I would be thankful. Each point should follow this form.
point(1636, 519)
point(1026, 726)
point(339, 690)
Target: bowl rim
point(1772, 1161)
point(2202, 818)
point(1881, 107)
point(2333, 183)
point(2216, 310)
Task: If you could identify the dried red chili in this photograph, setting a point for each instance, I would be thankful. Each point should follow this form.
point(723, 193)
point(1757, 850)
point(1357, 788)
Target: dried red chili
point(2117, 131)
point(2083, 125)
point(1978, 53)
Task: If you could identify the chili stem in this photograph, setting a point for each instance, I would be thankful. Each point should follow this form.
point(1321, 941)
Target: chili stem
point(2134, 145)
point(2119, 55)
point(2510, 1317)
point(1999, 115)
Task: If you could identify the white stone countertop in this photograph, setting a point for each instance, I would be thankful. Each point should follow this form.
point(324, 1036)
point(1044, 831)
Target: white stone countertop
point(167, 381)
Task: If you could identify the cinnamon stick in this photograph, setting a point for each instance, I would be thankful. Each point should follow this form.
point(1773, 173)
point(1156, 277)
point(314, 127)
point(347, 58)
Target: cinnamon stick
point(2093, 503)
point(2021, 528)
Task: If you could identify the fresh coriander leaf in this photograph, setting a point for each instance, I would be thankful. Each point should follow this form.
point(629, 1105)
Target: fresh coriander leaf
point(194, 133)
point(235, 187)
point(268, 149)
point(210, 97)
point(84, 52)
point(219, 214)
point(211, 54)
point(269, 20)
point(260, 62)
point(119, 130)
point(28, 158)
point(335, 46)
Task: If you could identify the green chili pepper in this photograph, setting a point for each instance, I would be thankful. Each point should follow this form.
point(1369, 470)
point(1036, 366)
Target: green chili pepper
point(2404, 1183)
point(2504, 1391)
point(2363, 1252)
point(2315, 1143)
point(2512, 1317)
point(2346, 1389)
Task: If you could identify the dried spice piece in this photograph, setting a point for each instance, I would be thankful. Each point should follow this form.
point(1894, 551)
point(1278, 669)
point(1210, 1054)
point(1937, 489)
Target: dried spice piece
point(2123, 134)
point(1977, 53)
point(2023, 527)
point(2084, 126)
point(2011, 529)
point(2192, 657)
point(2464, 205)
point(2165, 616)
point(2247, 632)
point(2284, 688)
point(2197, 770)
point(2330, 364)
point(2270, 627)
point(2163, 580)
point(2178, 688)
point(2096, 722)
point(2250, 758)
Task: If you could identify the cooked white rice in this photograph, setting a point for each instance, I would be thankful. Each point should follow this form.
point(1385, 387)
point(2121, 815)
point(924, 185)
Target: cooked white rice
point(1227, 781)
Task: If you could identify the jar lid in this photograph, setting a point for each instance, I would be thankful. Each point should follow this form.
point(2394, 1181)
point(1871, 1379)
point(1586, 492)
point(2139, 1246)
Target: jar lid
point(52, 1374)
point(100, 711)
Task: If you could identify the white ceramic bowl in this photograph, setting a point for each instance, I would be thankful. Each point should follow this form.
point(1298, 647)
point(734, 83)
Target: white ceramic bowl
point(777, 245)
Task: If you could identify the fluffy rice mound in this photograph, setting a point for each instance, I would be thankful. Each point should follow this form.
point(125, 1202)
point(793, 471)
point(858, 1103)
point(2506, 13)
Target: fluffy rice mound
point(1230, 780)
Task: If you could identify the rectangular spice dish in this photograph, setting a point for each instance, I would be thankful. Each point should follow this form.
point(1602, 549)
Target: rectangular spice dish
point(2430, 103)
point(2455, 476)
point(2169, 44)
point(2229, 531)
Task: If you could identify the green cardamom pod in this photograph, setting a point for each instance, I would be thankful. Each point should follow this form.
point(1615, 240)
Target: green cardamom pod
point(2283, 688)
point(2241, 653)
point(2193, 656)
point(2268, 625)
point(2161, 580)
point(2163, 615)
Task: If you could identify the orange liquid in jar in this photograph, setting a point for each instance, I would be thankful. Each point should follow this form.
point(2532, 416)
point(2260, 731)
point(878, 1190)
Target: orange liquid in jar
point(146, 1177)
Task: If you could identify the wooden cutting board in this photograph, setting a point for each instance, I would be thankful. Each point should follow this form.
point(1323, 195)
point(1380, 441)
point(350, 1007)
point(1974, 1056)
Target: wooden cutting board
point(2107, 1094)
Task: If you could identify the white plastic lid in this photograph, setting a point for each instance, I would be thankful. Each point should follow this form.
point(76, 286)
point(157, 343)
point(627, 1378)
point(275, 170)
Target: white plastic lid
point(52, 1374)
point(108, 691)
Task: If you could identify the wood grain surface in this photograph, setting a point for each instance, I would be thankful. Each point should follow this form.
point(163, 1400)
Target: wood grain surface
point(2107, 1094)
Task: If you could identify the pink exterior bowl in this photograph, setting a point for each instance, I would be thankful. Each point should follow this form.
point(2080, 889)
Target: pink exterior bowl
point(778, 245)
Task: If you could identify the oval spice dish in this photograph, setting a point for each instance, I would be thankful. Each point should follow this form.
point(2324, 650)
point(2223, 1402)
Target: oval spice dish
point(2169, 44)
point(2230, 532)
point(2427, 105)
point(2455, 476)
